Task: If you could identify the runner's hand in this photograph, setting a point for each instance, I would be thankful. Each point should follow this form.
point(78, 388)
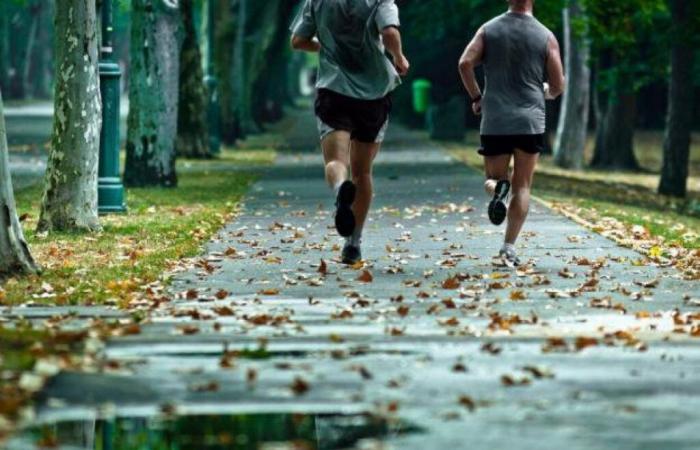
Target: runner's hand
point(476, 108)
point(402, 65)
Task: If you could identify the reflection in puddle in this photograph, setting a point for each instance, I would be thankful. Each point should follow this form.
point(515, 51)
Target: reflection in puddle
point(239, 432)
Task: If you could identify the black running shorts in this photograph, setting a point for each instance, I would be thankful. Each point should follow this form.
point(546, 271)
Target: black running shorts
point(492, 145)
point(365, 120)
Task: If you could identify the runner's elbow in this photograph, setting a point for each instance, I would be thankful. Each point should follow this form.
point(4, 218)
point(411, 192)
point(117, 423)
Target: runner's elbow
point(465, 65)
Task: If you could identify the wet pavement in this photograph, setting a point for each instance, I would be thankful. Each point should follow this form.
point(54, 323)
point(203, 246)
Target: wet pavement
point(580, 350)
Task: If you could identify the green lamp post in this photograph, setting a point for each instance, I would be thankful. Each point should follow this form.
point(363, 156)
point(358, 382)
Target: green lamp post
point(213, 112)
point(110, 190)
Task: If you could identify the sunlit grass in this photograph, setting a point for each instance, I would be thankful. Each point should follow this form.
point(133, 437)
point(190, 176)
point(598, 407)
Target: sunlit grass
point(162, 226)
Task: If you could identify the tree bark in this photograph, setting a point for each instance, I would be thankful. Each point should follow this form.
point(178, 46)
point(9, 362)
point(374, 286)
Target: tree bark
point(153, 94)
point(270, 88)
point(674, 173)
point(616, 109)
point(15, 256)
point(35, 17)
point(573, 121)
point(70, 185)
point(5, 63)
point(192, 136)
point(41, 70)
point(241, 71)
point(223, 65)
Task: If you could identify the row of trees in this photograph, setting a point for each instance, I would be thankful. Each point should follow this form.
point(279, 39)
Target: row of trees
point(167, 95)
point(623, 58)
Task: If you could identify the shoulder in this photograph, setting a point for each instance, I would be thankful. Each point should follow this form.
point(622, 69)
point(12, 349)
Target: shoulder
point(543, 29)
point(493, 21)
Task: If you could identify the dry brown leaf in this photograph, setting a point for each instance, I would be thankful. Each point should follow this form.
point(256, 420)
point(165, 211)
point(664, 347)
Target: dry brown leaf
point(323, 268)
point(451, 283)
point(365, 277)
point(518, 295)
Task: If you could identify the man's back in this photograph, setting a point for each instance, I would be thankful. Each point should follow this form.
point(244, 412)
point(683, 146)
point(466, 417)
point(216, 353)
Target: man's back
point(352, 59)
point(515, 58)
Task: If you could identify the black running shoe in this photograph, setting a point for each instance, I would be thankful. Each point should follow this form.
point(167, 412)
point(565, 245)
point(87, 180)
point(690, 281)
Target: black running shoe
point(351, 254)
point(344, 217)
point(497, 208)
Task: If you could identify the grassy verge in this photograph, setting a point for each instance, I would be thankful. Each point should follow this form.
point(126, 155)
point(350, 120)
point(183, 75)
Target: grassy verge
point(162, 227)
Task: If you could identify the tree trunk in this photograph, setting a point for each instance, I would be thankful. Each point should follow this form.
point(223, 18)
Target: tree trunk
point(271, 86)
point(70, 186)
point(153, 94)
point(240, 71)
point(616, 110)
point(674, 174)
point(192, 136)
point(14, 251)
point(573, 121)
point(41, 70)
point(224, 57)
point(35, 17)
point(5, 63)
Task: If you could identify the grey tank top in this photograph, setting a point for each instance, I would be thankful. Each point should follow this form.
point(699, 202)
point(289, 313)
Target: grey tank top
point(515, 60)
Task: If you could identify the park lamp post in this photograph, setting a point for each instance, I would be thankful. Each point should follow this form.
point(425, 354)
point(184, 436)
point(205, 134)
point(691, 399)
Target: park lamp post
point(110, 190)
point(213, 113)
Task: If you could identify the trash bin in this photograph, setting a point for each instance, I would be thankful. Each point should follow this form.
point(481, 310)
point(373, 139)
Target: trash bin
point(421, 95)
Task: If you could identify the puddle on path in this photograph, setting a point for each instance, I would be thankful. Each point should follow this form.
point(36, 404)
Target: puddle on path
point(236, 432)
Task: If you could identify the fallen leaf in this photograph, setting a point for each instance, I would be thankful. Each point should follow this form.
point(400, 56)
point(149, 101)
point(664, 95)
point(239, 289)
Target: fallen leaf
point(518, 295)
point(323, 268)
point(300, 386)
point(451, 283)
point(269, 291)
point(365, 277)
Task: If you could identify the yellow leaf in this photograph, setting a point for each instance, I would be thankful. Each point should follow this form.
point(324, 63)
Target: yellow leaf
point(656, 252)
point(517, 295)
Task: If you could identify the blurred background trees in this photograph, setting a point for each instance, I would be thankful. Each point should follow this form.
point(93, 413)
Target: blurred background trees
point(630, 65)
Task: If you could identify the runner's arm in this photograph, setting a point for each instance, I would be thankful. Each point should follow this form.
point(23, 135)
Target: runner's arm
point(471, 58)
point(392, 41)
point(555, 70)
point(305, 44)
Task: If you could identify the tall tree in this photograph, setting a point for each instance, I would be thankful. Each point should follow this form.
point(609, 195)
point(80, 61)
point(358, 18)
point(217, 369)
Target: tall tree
point(616, 114)
point(14, 251)
point(624, 36)
point(192, 138)
point(153, 93)
point(223, 65)
point(70, 185)
point(573, 121)
point(271, 85)
point(674, 174)
point(4, 45)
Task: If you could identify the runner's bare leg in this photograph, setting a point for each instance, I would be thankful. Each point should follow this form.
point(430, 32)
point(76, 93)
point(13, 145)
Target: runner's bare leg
point(362, 157)
point(336, 154)
point(519, 207)
point(496, 168)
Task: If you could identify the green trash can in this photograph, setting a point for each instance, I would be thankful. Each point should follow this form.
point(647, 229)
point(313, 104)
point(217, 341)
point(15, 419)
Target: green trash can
point(421, 95)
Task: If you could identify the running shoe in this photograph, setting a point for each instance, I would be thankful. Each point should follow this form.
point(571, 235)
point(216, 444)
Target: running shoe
point(351, 254)
point(344, 217)
point(509, 258)
point(497, 208)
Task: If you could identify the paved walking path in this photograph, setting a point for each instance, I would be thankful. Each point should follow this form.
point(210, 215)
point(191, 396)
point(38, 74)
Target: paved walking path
point(439, 357)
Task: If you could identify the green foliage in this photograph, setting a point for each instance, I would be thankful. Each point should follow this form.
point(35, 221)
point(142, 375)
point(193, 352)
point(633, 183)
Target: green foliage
point(624, 36)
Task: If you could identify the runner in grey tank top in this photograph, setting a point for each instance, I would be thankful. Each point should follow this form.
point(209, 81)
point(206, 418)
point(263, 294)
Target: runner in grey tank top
point(514, 64)
point(522, 67)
